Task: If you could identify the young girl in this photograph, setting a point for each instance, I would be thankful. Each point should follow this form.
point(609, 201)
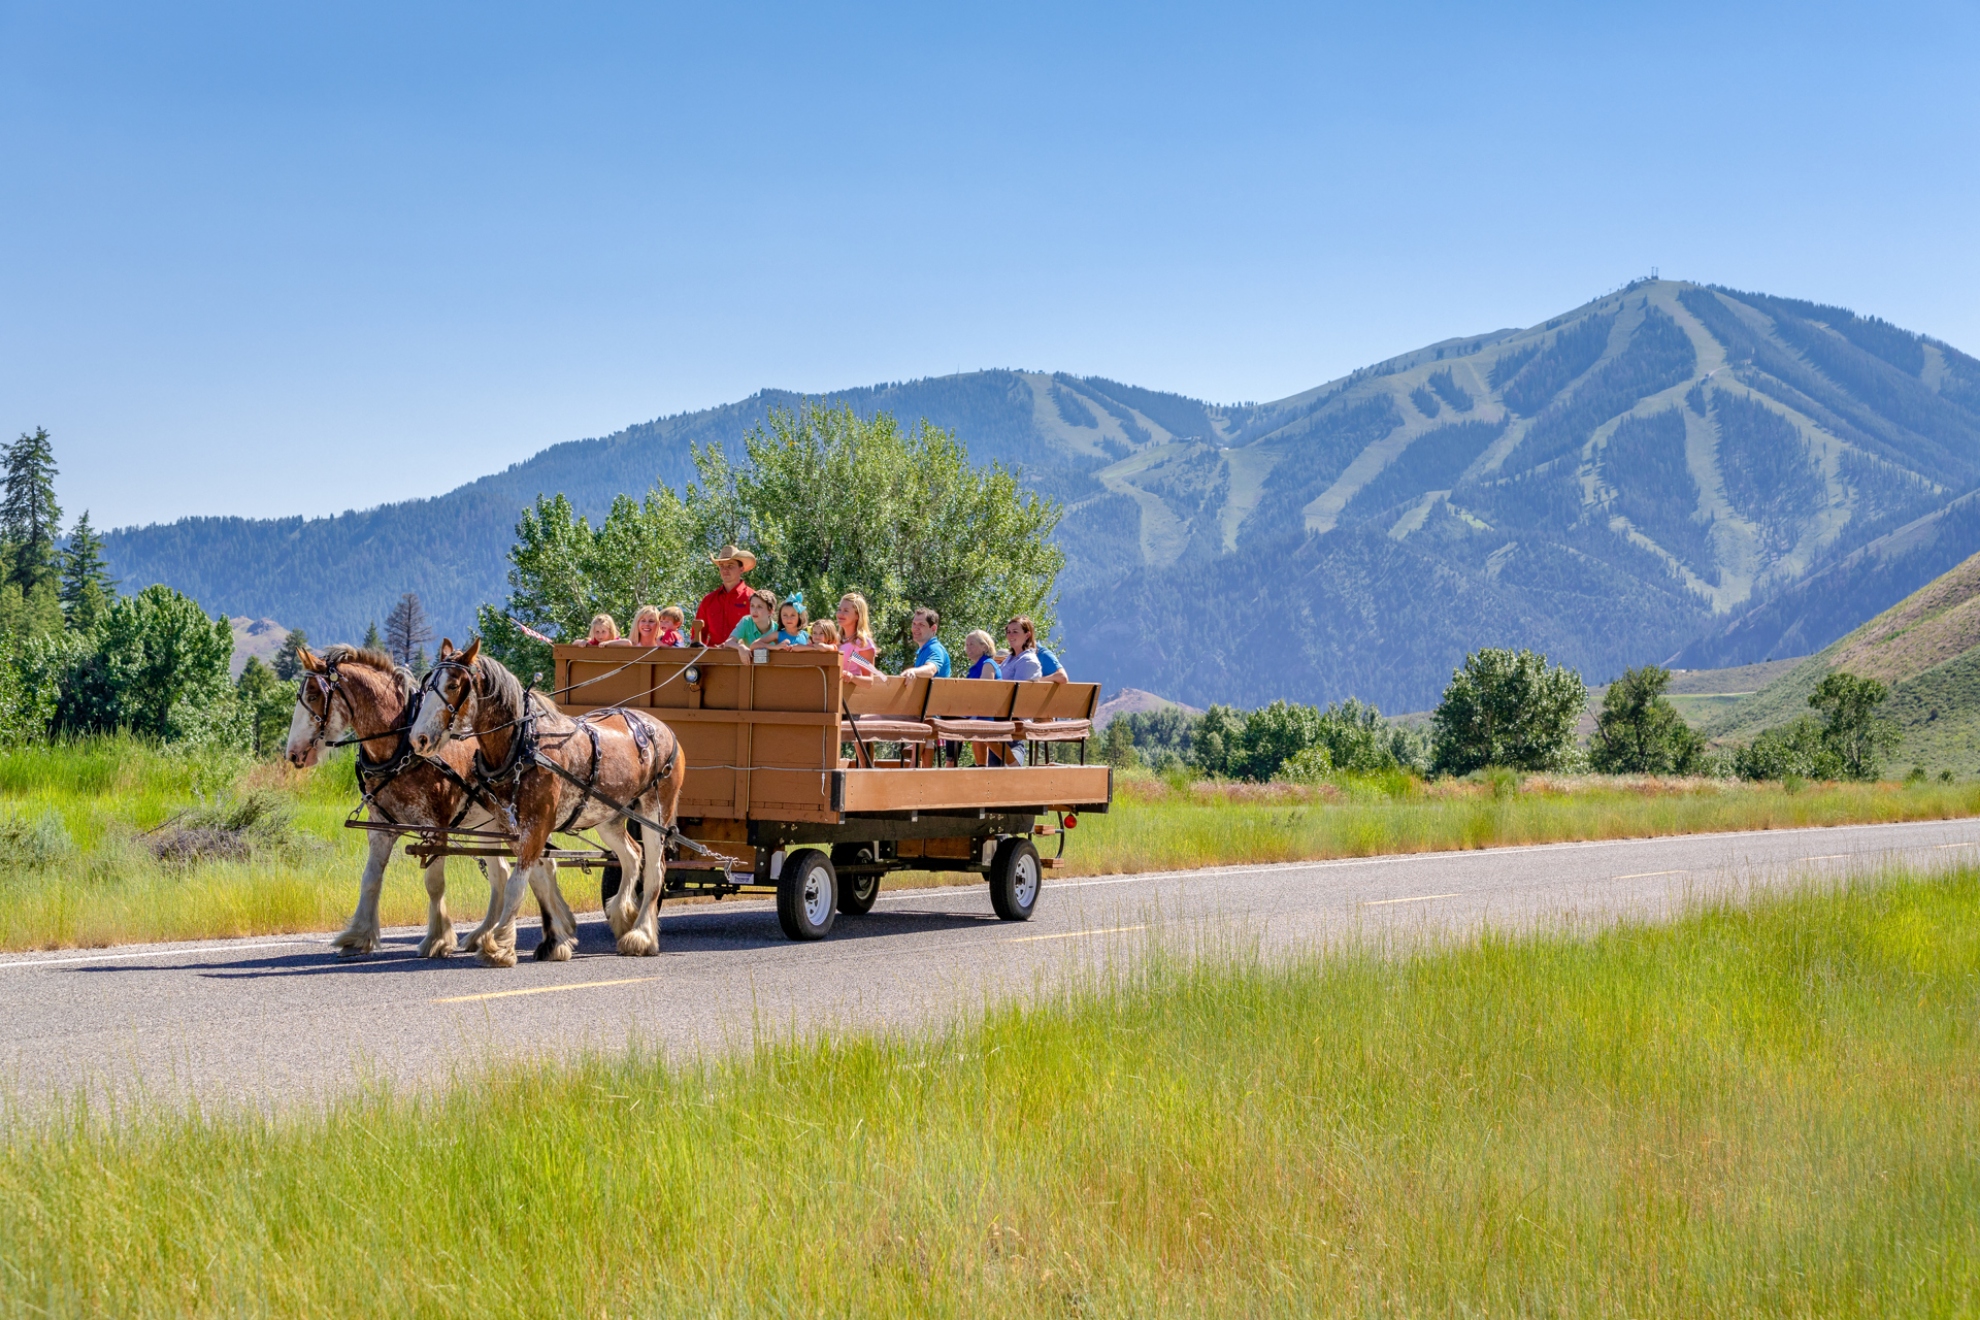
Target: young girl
point(673, 620)
point(761, 625)
point(791, 621)
point(604, 632)
point(856, 630)
point(825, 633)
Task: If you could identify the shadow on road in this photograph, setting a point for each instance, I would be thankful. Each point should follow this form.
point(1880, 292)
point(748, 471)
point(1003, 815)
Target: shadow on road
point(698, 929)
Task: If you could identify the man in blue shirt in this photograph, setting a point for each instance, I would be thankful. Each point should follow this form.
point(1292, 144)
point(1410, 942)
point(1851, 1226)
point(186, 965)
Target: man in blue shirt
point(931, 658)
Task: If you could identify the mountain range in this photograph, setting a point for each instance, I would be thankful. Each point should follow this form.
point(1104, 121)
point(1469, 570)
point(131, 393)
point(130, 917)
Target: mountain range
point(1671, 471)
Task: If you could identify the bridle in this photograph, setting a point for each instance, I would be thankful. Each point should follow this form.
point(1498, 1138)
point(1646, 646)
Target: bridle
point(454, 709)
point(331, 684)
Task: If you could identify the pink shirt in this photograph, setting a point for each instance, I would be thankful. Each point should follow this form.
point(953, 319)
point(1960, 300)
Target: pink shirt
point(860, 657)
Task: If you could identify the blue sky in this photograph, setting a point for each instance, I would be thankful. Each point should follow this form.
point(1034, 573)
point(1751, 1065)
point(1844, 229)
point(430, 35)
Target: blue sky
point(271, 259)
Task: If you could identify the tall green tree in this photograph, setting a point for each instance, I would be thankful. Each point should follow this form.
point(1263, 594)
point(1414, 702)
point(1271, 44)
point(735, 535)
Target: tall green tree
point(87, 587)
point(1853, 729)
point(1506, 708)
point(562, 571)
point(268, 703)
point(833, 502)
point(372, 641)
point(1640, 732)
point(30, 519)
point(829, 502)
point(155, 664)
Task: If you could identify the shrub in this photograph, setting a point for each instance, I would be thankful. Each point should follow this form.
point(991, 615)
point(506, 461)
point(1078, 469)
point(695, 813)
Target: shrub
point(1506, 708)
point(1791, 751)
point(29, 843)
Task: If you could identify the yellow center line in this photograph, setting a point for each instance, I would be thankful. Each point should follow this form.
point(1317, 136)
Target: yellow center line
point(1073, 934)
point(1645, 875)
point(1420, 898)
point(544, 990)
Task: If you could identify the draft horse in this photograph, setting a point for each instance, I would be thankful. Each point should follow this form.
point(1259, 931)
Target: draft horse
point(347, 696)
point(555, 775)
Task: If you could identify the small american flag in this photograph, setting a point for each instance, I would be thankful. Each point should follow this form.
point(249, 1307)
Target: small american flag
point(528, 631)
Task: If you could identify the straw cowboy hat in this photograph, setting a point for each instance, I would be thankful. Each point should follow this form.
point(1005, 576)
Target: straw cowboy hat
point(735, 552)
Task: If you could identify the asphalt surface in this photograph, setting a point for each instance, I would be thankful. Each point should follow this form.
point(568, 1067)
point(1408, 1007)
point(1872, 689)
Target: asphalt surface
point(280, 1021)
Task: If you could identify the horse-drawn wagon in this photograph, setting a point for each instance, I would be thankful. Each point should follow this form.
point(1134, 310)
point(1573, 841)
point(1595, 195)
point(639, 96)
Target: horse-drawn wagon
point(808, 785)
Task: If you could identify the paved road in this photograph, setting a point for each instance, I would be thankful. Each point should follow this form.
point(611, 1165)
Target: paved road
point(275, 1021)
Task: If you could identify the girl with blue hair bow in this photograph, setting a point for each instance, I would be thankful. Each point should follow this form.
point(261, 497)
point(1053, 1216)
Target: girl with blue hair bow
point(792, 621)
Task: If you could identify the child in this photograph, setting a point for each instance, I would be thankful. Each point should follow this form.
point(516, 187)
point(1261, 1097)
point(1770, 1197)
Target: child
point(672, 620)
point(825, 633)
point(761, 625)
point(604, 632)
point(791, 621)
point(856, 630)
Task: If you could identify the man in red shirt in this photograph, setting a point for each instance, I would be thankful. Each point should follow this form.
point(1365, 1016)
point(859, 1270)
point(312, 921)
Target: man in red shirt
point(728, 605)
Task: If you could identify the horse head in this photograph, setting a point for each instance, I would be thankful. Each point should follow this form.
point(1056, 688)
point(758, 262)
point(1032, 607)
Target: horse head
point(344, 693)
point(317, 716)
point(447, 697)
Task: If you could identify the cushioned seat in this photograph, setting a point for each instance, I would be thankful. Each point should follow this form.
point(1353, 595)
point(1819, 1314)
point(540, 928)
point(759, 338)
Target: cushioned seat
point(1054, 730)
point(877, 728)
point(974, 730)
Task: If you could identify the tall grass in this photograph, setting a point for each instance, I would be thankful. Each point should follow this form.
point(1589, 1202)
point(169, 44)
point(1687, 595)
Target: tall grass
point(1768, 1111)
point(79, 825)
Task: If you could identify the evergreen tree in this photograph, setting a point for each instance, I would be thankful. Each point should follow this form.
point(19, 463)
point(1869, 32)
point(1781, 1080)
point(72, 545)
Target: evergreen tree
point(407, 629)
point(287, 664)
point(87, 587)
point(372, 641)
point(268, 702)
point(30, 519)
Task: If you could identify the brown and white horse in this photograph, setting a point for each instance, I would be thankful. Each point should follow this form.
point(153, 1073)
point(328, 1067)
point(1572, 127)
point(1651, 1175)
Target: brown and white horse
point(554, 774)
point(347, 694)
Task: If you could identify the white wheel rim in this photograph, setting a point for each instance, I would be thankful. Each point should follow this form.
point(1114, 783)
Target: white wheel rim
point(817, 896)
point(1026, 886)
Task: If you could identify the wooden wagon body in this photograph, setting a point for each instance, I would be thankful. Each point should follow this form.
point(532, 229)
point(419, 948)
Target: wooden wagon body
point(793, 765)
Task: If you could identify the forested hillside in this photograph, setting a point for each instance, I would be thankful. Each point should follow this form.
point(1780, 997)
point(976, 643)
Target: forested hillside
point(1670, 466)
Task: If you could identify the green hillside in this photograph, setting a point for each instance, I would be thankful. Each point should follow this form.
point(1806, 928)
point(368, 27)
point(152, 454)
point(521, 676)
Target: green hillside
point(1668, 468)
point(1926, 647)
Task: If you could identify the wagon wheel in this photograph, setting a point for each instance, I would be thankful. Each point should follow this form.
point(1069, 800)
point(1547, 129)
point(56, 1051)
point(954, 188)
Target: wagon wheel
point(857, 893)
point(807, 895)
point(614, 875)
point(1015, 879)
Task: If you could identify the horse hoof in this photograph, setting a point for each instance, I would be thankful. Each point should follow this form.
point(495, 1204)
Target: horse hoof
point(491, 953)
point(553, 951)
point(438, 948)
point(637, 944)
point(618, 918)
point(354, 944)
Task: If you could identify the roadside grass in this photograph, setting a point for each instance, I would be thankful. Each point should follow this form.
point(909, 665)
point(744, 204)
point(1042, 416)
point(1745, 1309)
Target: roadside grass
point(1768, 1110)
point(81, 826)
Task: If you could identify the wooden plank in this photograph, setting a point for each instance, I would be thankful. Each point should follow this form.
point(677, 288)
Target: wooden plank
point(682, 715)
point(991, 789)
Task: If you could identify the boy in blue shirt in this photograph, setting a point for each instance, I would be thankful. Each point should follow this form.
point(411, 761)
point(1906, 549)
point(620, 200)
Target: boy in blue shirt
point(931, 658)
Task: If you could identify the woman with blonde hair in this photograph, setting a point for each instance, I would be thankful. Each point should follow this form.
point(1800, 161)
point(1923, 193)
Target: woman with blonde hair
point(646, 626)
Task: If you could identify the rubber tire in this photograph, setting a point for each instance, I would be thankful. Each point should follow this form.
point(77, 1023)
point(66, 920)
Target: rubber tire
point(858, 895)
point(802, 869)
point(613, 874)
point(1016, 861)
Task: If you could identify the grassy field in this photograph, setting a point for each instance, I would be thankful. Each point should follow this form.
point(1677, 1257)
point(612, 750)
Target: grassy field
point(115, 841)
point(1760, 1111)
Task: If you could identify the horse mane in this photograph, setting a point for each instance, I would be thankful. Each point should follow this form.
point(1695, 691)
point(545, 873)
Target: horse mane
point(497, 686)
point(343, 653)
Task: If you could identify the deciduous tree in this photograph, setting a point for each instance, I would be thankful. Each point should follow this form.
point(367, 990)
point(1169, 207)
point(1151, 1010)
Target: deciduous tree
point(1506, 708)
point(1640, 732)
point(1859, 736)
point(407, 630)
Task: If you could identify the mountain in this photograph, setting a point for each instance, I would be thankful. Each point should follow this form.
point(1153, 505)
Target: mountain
point(1656, 473)
point(1926, 647)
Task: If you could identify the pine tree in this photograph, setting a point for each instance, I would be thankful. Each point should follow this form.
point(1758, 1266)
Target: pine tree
point(29, 517)
point(372, 641)
point(287, 663)
point(87, 587)
point(407, 629)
